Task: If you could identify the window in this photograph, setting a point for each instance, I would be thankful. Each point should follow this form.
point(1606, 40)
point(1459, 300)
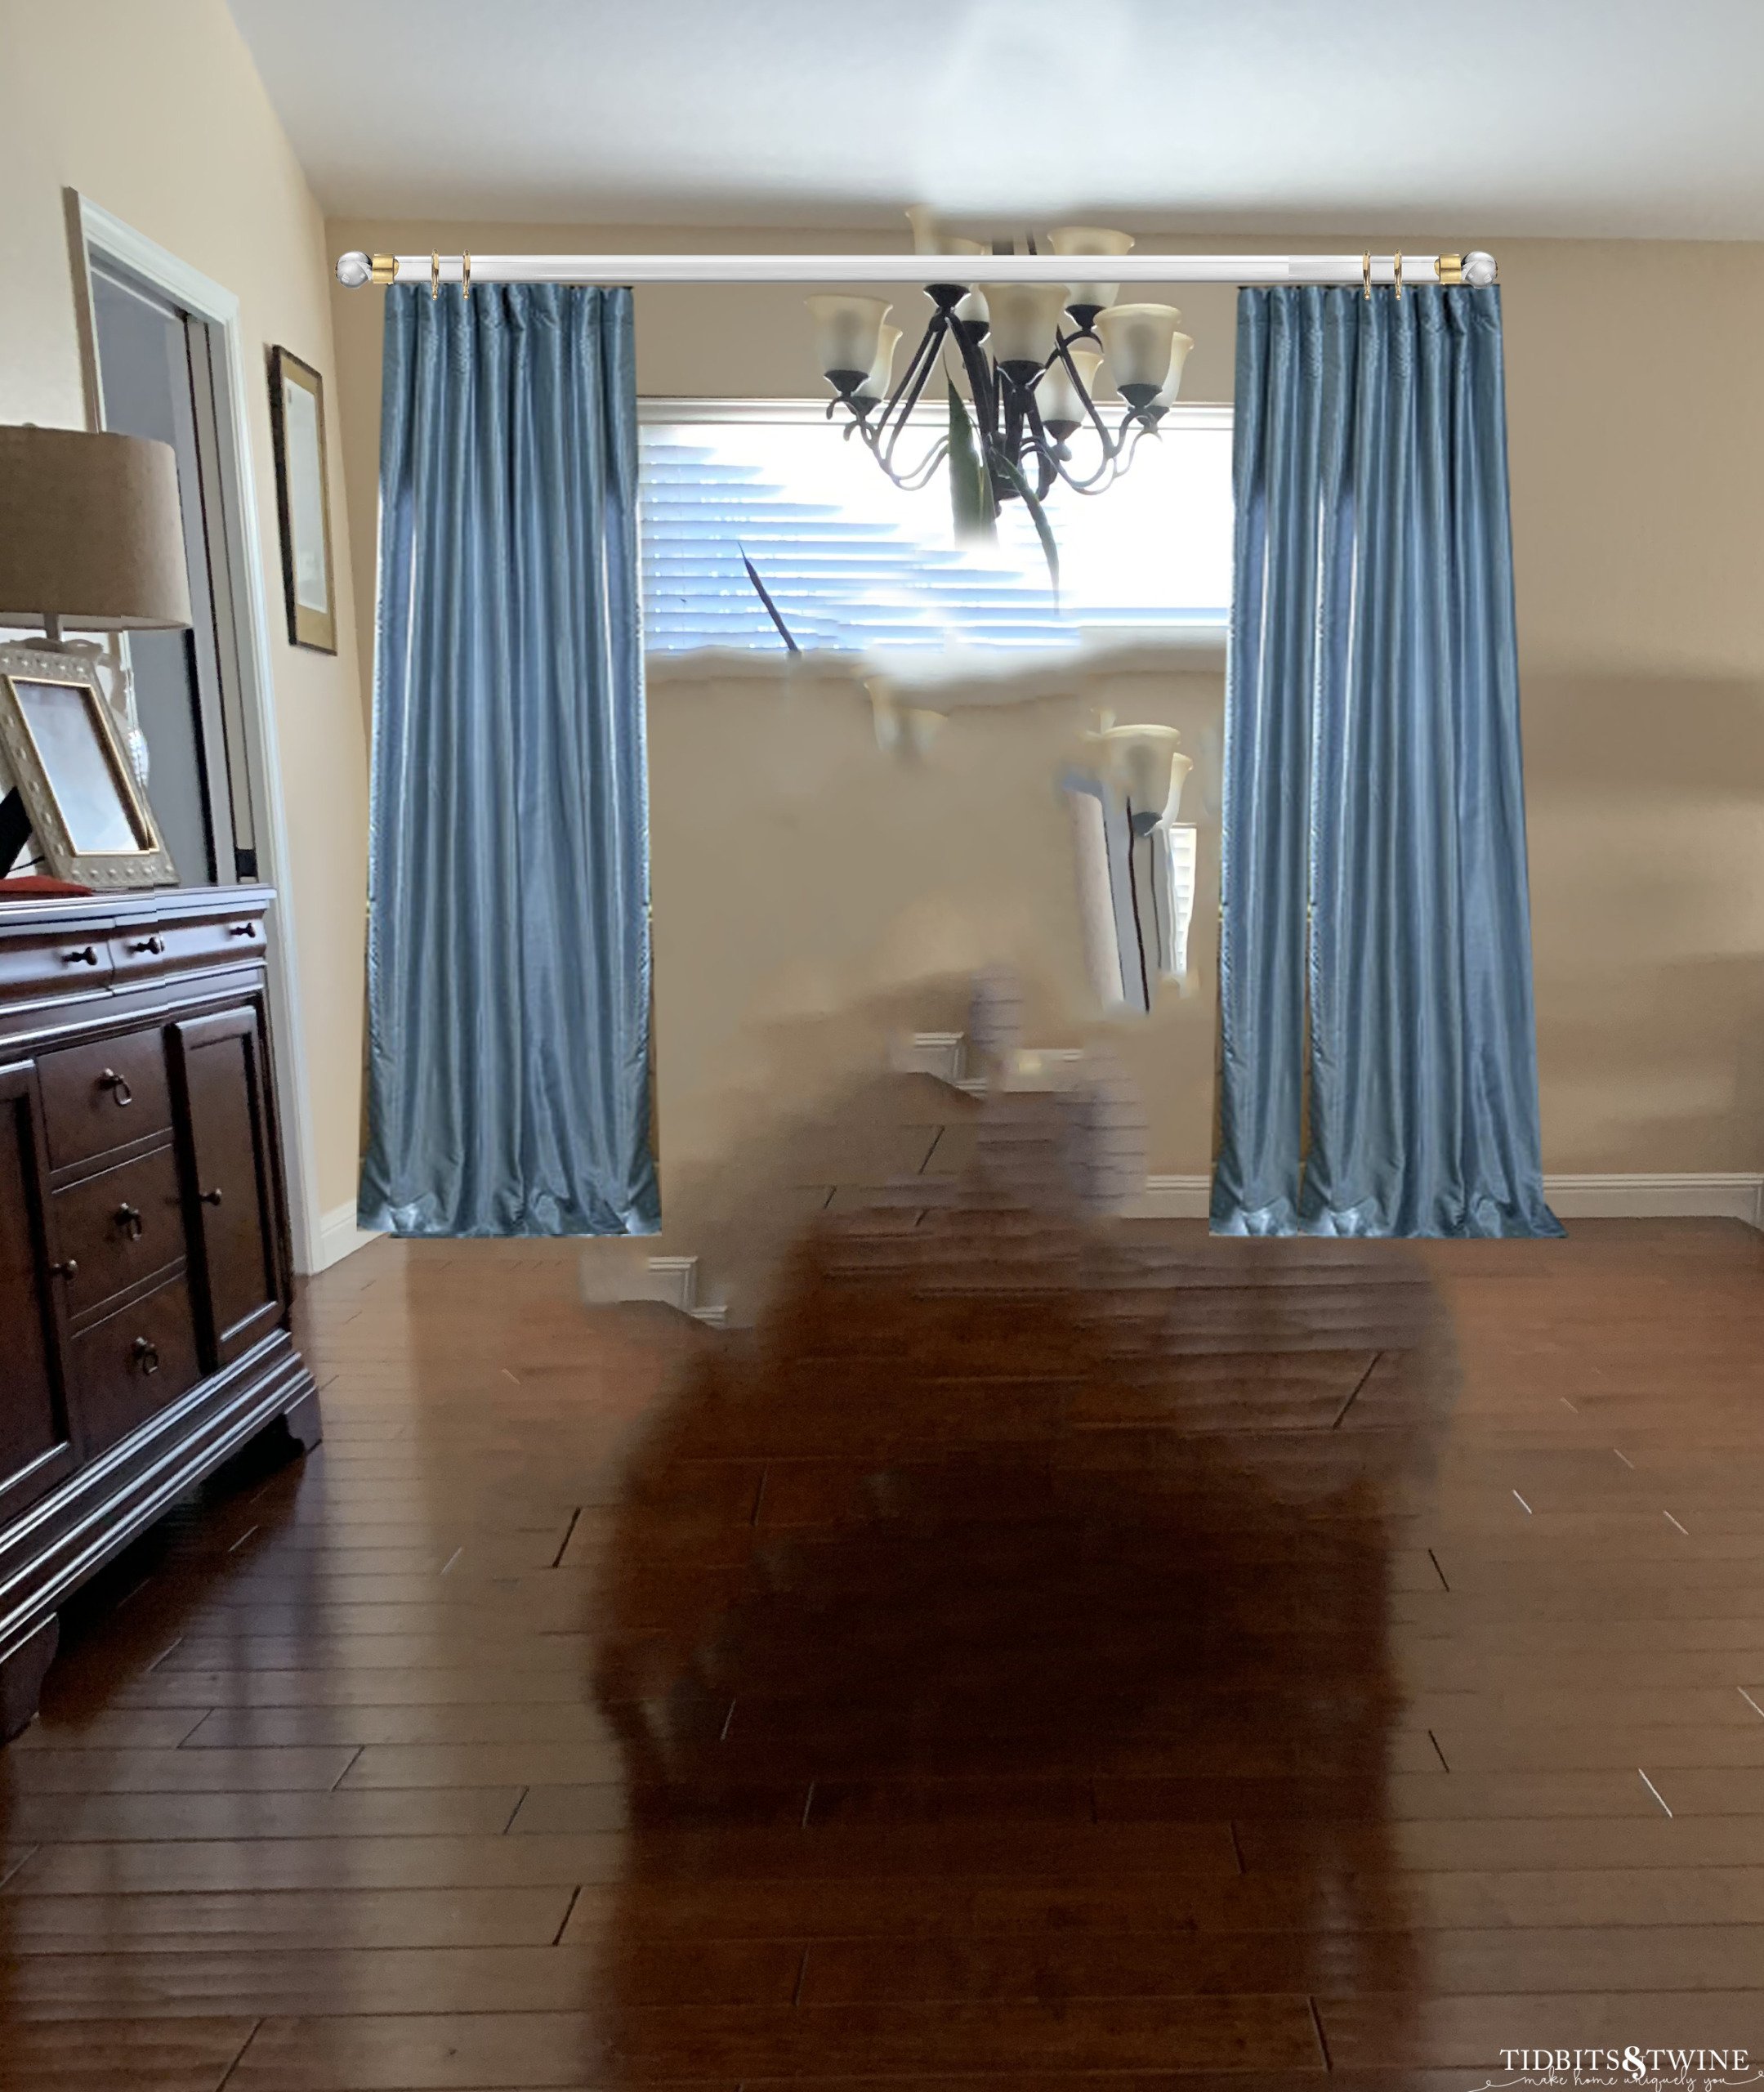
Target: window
point(856, 567)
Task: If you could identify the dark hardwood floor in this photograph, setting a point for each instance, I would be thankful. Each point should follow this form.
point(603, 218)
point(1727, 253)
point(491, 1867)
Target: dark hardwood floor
point(1039, 1656)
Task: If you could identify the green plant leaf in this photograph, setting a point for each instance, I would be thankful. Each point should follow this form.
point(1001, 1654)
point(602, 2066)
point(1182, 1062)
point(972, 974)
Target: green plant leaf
point(1050, 550)
point(971, 501)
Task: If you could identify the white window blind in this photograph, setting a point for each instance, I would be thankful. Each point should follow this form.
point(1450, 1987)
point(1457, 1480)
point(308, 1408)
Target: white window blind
point(856, 567)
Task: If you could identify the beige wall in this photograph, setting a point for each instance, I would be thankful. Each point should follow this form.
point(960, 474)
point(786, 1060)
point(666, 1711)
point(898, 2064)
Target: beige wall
point(156, 112)
point(799, 874)
point(1636, 441)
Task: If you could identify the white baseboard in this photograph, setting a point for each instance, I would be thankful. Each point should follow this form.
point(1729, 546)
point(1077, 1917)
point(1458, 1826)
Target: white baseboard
point(1706, 1195)
point(339, 1237)
point(940, 1053)
point(674, 1279)
point(1703, 1195)
point(1171, 1198)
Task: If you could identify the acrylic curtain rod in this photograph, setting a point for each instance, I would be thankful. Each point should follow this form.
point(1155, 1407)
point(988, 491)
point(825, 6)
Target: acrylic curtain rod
point(434, 269)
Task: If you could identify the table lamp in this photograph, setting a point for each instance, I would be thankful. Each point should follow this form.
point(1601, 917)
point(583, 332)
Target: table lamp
point(91, 540)
point(91, 537)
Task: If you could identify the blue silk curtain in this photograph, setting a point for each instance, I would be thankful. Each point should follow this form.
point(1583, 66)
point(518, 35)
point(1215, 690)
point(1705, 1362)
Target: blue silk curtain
point(508, 950)
point(1378, 1070)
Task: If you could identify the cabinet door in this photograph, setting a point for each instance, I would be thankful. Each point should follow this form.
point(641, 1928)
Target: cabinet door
point(36, 1449)
point(221, 1076)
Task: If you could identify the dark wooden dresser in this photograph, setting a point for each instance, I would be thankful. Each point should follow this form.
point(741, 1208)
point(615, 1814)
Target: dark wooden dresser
point(144, 1279)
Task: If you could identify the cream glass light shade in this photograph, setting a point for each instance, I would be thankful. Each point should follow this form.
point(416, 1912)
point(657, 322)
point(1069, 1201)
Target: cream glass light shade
point(927, 239)
point(1179, 345)
point(1147, 763)
point(1025, 318)
point(1137, 340)
point(1056, 397)
point(881, 378)
point(973, 307)
point(91, 532)
point(1090, 239)
point(847, 336)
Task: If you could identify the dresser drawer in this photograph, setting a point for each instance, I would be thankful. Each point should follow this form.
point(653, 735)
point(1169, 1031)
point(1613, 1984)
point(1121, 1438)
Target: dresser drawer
point(115, 1230)
point(137, 953)
point(133, 1363)
point(36, 964)
point(111, 1093)
point(212, 941)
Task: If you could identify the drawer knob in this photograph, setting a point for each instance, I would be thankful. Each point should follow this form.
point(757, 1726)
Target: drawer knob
point(129, 1220)
point(211, 1198)
point(120, 1093)
point(242, 930)
point(146, 1355)
point(87, 956)
point(154, 945)
point(68, 1268)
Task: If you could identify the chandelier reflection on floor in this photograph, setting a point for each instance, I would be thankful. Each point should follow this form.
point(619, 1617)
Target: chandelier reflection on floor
point(1028, 356)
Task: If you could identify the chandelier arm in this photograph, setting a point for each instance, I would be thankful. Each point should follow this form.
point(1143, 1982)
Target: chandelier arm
point(982, 383)
point(1043, 447)
point(1111, 445)
point(922, 474)
point(914, 476)
point(1109, 470)
point(892, 423)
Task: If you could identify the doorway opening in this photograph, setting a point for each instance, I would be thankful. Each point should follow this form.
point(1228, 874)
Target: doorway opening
point(156, 377)
point(163, 352)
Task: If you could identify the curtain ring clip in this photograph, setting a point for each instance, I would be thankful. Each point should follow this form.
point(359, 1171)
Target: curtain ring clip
point(435, 277)
point(1365, 272)
point(1399, 279)
point(465, 272)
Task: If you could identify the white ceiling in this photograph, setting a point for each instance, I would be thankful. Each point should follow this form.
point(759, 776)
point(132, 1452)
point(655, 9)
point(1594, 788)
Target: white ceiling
point(1468, 118)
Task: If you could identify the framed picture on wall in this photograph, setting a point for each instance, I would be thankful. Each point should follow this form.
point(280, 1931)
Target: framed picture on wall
point(303, 501)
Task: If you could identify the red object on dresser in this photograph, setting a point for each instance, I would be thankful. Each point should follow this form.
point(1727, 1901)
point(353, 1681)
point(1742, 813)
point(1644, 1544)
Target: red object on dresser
point(31, 887)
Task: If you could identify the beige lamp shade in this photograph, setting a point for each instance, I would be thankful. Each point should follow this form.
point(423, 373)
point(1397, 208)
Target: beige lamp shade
point(91, 533)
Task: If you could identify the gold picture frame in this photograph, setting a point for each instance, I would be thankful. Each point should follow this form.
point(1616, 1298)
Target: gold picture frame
point(64, 754)
point(303, 501)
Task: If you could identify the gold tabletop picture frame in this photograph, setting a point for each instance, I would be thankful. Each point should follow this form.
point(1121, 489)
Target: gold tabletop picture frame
point(64, 755)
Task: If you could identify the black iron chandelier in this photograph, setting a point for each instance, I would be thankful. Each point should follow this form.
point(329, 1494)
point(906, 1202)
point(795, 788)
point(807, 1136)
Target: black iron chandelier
point(1023, 415)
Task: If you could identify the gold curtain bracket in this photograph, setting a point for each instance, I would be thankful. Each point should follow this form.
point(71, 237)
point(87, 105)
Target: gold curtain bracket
point(383, 269)
point(1451, 268)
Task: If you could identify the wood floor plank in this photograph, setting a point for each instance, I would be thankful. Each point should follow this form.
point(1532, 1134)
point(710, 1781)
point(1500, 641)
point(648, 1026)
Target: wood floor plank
point(108, 1729)
point(1512, 1844)
point(271, 1920)
point(355, 1686)
point(1468, 2033)
point(367, 1977)
point(1604, 1958)
point(353, 1860)
point(428, 1812)
point(124, 2055)
point(151, 1771)
point(539, 2049)
point(427, 1734)
point(1395, 1798)
point(533, 1762)
point(1529, 1750)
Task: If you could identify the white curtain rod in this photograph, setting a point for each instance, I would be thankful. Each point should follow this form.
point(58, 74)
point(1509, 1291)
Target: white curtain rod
point(355, 268)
